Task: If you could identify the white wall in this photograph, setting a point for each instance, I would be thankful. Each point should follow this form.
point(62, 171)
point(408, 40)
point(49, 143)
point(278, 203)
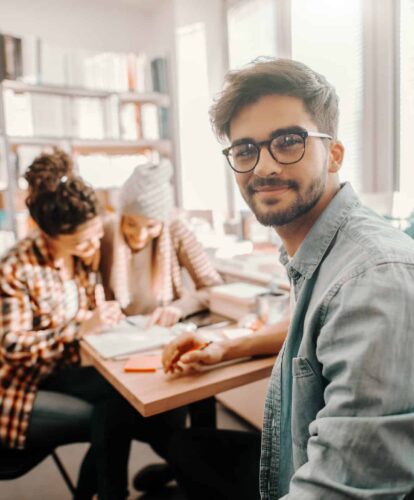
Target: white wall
point(83, 24)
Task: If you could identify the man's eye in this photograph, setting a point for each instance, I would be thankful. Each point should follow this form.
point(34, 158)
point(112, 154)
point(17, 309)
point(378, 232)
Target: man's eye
point(288, 141)
point(244, 151)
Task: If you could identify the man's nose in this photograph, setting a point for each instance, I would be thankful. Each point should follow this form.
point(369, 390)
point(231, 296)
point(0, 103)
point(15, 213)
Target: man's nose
point(267, 165)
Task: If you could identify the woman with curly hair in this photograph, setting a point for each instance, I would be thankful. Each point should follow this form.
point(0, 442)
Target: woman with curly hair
point(49, 299)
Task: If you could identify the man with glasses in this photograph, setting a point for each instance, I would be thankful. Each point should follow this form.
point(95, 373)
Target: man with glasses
point(339, 414)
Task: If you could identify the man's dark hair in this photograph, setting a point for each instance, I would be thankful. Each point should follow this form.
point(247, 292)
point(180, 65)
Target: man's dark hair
point(265, 77)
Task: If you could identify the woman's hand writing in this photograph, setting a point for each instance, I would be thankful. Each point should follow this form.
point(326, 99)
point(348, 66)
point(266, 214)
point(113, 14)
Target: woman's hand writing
point(164, 316)
point(106, 315)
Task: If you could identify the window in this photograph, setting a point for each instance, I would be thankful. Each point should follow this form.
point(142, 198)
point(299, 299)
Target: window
point(202, 171)
point(251, 30)
point(406, 109)
point(251, 34)
point(327, 36)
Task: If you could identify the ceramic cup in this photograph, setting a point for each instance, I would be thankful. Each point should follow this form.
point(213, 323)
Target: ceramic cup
point(272, 307)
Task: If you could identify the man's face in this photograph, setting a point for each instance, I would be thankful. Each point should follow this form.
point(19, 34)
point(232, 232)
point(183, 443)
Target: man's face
point(276, 193)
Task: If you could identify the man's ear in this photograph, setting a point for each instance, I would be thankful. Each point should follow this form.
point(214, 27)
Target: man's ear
point(336, 156)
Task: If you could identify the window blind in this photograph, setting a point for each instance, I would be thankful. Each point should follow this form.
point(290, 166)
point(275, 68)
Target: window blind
point(406, 92)
point(251, 30)
point(327, 36)
point(251, 34)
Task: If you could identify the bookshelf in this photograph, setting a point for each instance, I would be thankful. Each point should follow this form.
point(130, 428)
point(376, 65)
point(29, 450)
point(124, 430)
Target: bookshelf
point(112, 137)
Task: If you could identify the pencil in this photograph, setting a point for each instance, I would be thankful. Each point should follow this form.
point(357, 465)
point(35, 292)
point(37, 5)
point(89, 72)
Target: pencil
point(204, 346)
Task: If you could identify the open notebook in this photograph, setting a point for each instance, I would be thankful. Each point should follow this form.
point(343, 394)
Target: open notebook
point(129, 337)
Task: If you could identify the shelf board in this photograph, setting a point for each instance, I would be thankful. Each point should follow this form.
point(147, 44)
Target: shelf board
point(121, 147)
point(89, 146)
point(124, 97)
point(18, 86)
point(152, 97)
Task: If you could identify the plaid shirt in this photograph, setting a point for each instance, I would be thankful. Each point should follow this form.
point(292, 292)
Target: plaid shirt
point(35, 337)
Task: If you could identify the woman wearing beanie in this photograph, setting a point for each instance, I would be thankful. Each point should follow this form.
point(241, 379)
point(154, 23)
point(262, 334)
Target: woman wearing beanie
point(144, 251)
point(49, 298)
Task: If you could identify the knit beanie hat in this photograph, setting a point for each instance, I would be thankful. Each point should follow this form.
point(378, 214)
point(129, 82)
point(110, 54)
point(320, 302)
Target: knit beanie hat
point(148, 191)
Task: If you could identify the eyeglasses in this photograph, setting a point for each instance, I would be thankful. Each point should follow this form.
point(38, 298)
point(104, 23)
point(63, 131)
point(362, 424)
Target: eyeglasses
point(286, 148)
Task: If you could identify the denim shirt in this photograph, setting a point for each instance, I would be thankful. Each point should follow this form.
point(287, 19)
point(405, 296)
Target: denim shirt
point(339, 414)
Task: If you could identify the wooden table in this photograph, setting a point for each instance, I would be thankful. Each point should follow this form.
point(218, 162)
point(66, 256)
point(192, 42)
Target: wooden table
point(153, 393)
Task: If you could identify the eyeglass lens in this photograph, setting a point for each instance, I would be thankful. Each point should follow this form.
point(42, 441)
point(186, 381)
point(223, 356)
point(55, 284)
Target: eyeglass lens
point(286, 148)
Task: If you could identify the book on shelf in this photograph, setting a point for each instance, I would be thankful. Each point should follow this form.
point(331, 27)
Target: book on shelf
point(164, 122)
point(3, 165)
point(88, 118)
point(48, 115)
point(150, 125)
point(18, 113)
point(107, 71)
point(31, 59)
point(159, 73)
point(142, 73)
point(113, 122)
point(130, 119)
point(10, 57)
point(234, 300)
point(137, 73)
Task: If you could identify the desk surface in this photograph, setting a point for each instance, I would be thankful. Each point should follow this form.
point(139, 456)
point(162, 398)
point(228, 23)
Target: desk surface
point(152, 393)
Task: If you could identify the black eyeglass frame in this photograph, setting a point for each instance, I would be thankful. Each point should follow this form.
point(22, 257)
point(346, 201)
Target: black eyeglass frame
point(302, 133)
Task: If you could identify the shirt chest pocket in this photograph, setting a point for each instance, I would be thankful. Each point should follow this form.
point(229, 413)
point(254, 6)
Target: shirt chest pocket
point(307, 400)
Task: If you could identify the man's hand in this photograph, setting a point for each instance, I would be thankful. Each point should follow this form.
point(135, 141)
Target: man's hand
point(164, 316)
point(187, 350)
point(106, 315)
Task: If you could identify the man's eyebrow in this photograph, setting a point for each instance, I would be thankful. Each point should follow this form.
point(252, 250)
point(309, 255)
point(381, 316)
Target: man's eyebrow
point(275, 133)
point(243, 140)
point(286, 130)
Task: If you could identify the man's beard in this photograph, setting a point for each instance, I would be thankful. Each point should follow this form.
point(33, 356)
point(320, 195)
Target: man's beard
point(304, 202)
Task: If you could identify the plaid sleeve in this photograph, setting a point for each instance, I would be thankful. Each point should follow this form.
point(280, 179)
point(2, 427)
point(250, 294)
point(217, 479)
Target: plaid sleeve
point(19, 342)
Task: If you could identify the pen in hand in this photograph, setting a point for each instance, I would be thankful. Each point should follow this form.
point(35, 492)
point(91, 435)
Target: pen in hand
point(198, 347)
point(202, 347)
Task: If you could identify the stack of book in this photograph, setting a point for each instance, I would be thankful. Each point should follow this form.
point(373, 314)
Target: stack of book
point(36, 61)
point(235, 300)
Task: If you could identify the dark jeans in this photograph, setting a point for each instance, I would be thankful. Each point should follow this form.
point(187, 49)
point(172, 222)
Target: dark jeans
point(219, 464)
point(79, 405)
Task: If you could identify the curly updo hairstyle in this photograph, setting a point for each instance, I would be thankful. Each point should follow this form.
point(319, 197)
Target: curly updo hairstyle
point(58, 201)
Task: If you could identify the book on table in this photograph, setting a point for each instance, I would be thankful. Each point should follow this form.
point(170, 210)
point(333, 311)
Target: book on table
point(128, 337)
point(235, 300)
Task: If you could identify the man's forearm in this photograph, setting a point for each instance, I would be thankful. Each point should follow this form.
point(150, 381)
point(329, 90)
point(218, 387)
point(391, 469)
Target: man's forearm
point(268, 340)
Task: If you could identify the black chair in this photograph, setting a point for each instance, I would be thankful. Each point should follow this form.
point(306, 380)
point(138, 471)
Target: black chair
point(16, 463)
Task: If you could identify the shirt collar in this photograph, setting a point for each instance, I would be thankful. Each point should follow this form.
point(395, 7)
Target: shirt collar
point(41, 248)
point(314, 246)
